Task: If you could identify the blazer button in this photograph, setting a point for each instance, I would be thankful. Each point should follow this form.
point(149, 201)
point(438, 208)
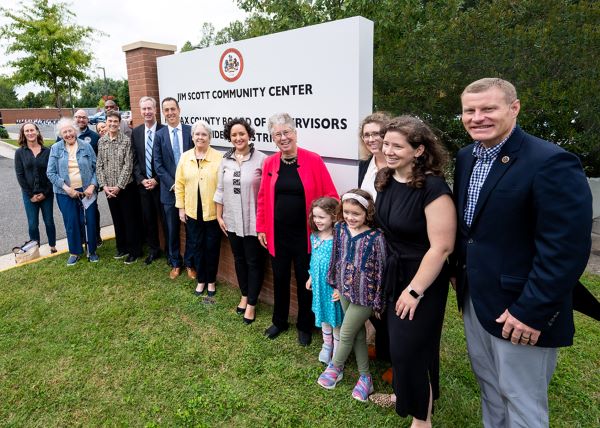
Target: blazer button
point(464, 266)
point(470, 241)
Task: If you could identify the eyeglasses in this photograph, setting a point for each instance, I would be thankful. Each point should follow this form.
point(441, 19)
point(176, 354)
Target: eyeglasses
point(373, 135)
point(285, 134)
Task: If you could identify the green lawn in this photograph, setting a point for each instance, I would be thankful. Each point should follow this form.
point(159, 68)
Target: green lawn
point(109, 344)
point(48, 143)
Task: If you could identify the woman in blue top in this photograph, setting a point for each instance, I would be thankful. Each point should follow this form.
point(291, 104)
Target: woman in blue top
point(72, 172)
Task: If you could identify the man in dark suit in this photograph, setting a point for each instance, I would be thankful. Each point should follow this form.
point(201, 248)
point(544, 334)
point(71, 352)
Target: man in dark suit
point(523, 240)
point(171, 141)
point(142, 141)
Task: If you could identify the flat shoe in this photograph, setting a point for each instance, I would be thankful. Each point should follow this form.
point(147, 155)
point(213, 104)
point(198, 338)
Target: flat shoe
point(212, 293)
point(248, 321)
point(382, 400)
point(240, 311)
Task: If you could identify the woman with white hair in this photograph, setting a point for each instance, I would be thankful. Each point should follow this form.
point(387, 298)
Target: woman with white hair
point(195, 186)
point(291, 180)
point(72, 172)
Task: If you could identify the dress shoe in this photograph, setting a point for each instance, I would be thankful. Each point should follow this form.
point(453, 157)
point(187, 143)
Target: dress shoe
point(304, 338)
point(274, 331)
point(130, 259)
point(199, 292)
point(151, 258)
point(248, 321)
point(191, 272)
point(240, 311)
point(175, 272)
point(120, 255)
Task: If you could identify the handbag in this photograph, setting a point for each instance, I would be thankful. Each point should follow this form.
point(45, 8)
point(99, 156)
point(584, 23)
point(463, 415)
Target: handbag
point(27, 252)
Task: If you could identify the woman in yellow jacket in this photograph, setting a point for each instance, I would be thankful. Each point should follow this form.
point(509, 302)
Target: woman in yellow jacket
point(195, 185)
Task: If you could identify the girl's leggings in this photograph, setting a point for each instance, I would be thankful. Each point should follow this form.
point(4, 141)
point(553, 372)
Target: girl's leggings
point(353, 336)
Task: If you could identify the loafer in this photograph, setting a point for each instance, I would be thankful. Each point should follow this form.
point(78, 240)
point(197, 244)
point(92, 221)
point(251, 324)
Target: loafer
point(120, 255)
point(274, 331)
point(72, 260)
point(130, 259)
point(191, 272)
point(175, 272)
point(93, 258)
point(304, 338)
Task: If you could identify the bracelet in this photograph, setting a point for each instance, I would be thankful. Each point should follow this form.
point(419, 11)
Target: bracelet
point(413, 293)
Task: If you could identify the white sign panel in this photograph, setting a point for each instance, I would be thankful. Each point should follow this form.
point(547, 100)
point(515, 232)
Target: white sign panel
point(321, 75)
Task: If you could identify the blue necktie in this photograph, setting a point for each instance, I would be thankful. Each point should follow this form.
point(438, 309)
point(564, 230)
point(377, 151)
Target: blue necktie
point(149, 154)
point(176, 150)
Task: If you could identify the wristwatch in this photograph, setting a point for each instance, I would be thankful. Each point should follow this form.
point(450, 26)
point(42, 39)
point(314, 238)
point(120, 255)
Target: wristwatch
point(413, 293)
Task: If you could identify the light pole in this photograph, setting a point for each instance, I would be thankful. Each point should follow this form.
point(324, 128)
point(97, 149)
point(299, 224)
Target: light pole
point(105, 82)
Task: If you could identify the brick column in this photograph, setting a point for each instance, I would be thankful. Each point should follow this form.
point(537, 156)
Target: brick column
point(141, 73)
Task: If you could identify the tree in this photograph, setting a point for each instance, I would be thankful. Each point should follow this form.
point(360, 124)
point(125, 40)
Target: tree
point(39, 100)
point(8, 96)
point(52, 50)
point(93, 90)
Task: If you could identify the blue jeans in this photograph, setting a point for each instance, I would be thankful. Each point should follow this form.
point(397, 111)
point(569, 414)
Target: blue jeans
point(32, 210)
point(73, 212)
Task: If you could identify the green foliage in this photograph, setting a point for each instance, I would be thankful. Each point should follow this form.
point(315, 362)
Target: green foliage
point(426, 52)
point(8, 96)
point(93, 90)
point(108, 344)
point(4, 133)
point(38, 100)
point(52, 51)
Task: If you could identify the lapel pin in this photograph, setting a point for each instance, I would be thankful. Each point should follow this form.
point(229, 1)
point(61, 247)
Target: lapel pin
point(505, 159)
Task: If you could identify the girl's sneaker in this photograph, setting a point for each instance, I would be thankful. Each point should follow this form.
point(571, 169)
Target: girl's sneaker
point(363, 388)
point(331, 376)
point(325, 354)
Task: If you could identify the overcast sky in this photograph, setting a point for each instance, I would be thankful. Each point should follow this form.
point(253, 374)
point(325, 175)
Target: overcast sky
point(126, 21)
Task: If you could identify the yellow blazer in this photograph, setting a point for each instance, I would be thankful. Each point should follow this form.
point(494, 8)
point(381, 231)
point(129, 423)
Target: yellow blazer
point(189, 177)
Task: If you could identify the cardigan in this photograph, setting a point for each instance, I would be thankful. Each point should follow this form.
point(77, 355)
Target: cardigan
point(237, 191)
point(189, 177)
point(316, 181)
point(31, 171)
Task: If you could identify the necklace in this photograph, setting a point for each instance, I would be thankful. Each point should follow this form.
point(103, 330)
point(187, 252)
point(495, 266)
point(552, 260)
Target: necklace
point(289, 161)
point(319, 241)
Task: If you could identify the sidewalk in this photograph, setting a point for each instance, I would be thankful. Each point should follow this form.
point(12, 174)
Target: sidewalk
point(8, 261)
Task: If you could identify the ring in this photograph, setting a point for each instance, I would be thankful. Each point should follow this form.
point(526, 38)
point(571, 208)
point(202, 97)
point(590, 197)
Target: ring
point(525, 337)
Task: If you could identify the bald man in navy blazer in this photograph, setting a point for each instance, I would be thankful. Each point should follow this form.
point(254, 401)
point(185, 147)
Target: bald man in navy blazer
point(524, 238)
point(165, 165)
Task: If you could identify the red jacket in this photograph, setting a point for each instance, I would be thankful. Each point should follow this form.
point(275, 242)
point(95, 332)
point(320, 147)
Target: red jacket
point(316, 182)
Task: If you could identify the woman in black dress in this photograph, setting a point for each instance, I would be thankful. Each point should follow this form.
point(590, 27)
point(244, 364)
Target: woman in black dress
point(415, 210)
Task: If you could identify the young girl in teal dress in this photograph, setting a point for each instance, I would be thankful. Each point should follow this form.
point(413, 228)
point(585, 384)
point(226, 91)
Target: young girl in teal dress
point(328, 314)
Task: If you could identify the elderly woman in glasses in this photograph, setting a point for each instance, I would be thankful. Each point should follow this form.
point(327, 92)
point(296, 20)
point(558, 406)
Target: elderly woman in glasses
point(72, 172)
point(291, 180)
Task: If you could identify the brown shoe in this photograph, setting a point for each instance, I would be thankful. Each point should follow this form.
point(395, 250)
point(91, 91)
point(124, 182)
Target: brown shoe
point(191, 272)
point(387, 376)
point(175, 272)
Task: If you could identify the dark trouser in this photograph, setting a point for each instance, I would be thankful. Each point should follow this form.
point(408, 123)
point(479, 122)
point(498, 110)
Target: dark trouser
point(97, 222)
point(123, 210)
point(382, 338)
point(151, 216)
point(73, 217)
point(282, 274)
point(249, 257)
point(203, 240)
point(32, 210)
point(172, 223)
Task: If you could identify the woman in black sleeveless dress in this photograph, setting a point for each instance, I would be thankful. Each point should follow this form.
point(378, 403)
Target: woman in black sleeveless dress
point(415, 210)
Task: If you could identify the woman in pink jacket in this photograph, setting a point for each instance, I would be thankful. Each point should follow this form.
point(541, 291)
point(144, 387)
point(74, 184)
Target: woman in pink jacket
point(291, 180)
